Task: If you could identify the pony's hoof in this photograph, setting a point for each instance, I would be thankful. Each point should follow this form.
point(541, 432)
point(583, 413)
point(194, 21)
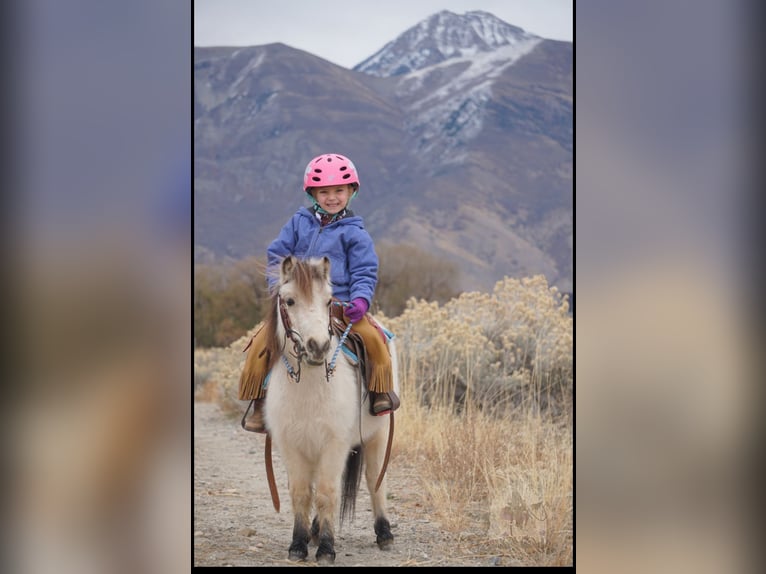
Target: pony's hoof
point(385, 543)
point(298, 552)
point(326, 552)
point(326, 558)
point(384, 538)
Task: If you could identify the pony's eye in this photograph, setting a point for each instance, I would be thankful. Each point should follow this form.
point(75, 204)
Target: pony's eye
point(290, 302)
point(329, 302)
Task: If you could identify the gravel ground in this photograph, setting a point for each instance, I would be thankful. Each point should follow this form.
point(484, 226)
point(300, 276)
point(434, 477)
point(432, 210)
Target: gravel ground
point(235, 523)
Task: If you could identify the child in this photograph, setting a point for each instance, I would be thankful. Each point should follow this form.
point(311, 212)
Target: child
point(329, 228)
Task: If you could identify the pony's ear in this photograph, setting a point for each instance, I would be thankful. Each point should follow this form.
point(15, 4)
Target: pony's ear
point(286, 270)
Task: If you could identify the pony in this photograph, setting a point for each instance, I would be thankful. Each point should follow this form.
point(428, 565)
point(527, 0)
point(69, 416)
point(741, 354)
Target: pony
point(318, 415)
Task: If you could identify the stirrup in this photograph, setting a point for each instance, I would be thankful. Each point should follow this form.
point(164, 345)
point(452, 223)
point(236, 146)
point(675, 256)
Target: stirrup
point(257, 429)
point(382, 404)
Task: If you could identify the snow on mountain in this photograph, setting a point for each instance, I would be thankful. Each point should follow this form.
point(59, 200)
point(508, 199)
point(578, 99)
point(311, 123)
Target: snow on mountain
point(445, 36)
point(449, 97)
point(445, 67)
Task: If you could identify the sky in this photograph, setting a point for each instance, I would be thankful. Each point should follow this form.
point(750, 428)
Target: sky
point(346, 32)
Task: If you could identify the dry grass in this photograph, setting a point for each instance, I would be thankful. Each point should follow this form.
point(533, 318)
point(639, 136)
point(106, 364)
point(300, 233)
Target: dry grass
point(487, 413)
point(216, 376)
point(502, 486)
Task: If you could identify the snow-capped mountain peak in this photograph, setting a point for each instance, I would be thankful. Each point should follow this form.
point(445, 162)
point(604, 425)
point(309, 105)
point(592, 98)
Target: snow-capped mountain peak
point(444, 36)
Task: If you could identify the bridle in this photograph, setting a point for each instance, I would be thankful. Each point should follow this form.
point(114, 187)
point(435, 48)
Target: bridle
point(299, 351)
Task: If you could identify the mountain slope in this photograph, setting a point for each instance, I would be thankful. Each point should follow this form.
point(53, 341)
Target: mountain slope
point(461, 129)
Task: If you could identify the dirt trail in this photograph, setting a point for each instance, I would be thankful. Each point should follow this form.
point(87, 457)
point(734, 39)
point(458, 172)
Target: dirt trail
point(235, 523)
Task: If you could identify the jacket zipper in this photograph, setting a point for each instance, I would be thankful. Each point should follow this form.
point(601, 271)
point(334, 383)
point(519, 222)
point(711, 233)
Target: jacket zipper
point(314, 240)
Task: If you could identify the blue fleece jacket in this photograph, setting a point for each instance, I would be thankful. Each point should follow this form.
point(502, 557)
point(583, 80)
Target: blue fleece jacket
point(353, 261)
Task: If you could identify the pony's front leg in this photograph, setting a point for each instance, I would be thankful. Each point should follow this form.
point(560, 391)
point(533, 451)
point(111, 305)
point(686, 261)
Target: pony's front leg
point(300, 495)
point(375, 451)
point(327, 492)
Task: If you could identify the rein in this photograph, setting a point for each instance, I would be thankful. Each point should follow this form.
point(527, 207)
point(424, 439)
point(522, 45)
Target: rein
point(270, 474)
point(388, 451)
point(331, 367)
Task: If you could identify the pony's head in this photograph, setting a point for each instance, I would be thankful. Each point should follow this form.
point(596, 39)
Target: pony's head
point(303, 300)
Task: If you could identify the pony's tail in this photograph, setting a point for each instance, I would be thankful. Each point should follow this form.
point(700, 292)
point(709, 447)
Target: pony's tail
point(352, 477)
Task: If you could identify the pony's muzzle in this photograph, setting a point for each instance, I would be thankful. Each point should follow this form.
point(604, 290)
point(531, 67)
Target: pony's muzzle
point(317, 352)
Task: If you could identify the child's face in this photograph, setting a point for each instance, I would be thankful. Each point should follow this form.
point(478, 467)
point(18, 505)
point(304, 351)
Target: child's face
point(333, 198)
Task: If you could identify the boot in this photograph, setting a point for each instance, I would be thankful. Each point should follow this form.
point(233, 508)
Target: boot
point(255, 422)
point(383, 403)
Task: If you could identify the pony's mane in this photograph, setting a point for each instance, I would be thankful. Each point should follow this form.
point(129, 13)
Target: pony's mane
point(303, 274)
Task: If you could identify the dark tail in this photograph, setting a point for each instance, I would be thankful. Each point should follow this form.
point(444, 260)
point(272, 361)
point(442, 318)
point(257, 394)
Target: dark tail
point(352, 477)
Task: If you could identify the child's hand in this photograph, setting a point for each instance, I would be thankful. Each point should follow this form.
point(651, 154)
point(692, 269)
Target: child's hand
point(356, 310)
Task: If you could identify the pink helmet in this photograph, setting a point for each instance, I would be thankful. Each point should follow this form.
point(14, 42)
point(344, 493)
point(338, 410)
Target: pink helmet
point(330, 169)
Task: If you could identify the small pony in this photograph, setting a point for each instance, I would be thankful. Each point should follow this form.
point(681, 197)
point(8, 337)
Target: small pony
point(317, 412)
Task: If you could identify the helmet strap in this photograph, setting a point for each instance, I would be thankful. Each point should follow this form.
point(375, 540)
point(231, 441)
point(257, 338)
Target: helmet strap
point(316, 207)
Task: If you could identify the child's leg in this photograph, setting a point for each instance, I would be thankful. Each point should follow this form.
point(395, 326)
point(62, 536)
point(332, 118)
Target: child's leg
point(256, 367)
point(380, 379)
point(251, 381)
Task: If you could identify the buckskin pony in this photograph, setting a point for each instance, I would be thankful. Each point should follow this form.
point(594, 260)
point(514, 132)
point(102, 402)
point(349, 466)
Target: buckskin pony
point(318, 415)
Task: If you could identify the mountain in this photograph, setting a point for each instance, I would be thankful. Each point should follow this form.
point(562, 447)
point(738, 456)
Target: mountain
point(445, 36)
point(461, 129)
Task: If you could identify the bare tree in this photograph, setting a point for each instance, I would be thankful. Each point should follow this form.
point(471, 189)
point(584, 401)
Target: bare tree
point(407, 271)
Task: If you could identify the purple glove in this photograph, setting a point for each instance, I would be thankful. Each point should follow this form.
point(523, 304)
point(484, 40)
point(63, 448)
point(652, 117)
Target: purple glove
point(356, 310)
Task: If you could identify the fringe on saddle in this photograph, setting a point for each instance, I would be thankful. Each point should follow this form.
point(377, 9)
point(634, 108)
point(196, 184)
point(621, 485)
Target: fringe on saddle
point(257, 367)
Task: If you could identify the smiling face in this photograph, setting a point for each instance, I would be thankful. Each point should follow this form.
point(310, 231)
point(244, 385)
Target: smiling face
point(333, 198)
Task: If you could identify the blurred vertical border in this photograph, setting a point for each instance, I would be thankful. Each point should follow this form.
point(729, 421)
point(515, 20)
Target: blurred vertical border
point(670, 341)
point(97, 285)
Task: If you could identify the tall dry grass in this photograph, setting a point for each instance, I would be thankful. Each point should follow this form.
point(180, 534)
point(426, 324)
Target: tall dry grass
point(486, 416)
point(501, 487)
